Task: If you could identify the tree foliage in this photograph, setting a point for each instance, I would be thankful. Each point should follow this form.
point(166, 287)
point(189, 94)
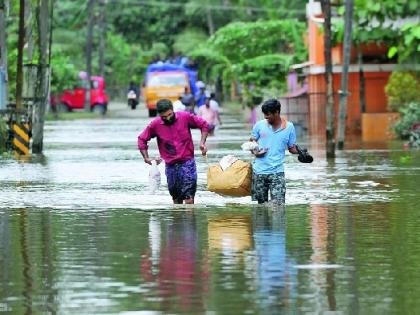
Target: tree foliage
point(188, 40)
point(256, 54)
point(239, 40)
point(402, 89)
point(410, 116)
point(394, 23)
point(137, 33)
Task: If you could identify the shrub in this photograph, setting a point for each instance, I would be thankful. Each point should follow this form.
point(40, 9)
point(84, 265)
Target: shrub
point(409, 118)
point(402, 89)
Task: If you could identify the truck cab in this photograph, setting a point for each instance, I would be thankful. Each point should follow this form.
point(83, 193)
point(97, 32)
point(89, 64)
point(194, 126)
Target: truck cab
point(165, 81)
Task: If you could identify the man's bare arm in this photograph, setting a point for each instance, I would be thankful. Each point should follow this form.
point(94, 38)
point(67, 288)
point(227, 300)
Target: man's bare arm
point(203, 139)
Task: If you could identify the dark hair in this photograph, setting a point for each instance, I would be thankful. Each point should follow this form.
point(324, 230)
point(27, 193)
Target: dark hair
point(212, 95)
point(271, 106)
point(164, 105)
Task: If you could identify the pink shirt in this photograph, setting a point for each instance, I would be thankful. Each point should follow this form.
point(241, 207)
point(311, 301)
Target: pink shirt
point(174, 141)
point(208, 114)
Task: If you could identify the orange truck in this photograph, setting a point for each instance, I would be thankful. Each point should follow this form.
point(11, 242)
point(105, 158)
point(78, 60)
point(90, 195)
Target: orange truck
point(166, 81)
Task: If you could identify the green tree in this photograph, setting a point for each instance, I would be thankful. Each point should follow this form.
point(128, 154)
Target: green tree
point(255, 54)
point(394, 23)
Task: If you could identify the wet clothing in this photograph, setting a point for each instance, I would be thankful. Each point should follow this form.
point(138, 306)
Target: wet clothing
point(275, 183)
point(174, 141)
point(208, 114)
point(182, 179)
point(268, 170)
point(277, 142)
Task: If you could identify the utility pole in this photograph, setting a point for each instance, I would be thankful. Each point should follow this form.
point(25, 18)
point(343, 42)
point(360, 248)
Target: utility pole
point(330, 143)
point(89, 44)
point(21, 43)
point(362, 84)
point(348, 19)
point(41, 94)
point(3, 41)
point(29, 31)
point(102, 37)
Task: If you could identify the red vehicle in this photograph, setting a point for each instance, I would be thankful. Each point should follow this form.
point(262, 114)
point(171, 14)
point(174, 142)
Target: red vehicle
point(75, 99)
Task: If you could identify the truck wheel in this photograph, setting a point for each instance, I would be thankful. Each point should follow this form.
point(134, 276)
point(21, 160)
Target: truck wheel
point(152, 112)
point(63, 108)
point(99, 108)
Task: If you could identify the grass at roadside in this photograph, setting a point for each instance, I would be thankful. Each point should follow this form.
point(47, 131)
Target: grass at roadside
point(73, 116)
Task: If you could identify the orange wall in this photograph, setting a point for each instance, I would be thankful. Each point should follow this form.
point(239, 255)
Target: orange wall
point(316, 47)
point(375, 100)
point(316, 44)
point(377, 126)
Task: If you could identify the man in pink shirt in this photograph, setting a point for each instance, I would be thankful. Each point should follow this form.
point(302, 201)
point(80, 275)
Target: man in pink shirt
point(173, 134)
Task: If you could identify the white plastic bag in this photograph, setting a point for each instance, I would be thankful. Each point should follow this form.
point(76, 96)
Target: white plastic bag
point(154, 177)
point(131, 95)
point(227, 161)
point(249, 146)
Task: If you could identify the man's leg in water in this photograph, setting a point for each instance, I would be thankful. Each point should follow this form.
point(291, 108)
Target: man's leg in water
point(259, 188)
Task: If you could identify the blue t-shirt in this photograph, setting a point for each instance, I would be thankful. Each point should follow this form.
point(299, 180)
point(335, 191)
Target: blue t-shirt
point(277, 142)
point(200, 99)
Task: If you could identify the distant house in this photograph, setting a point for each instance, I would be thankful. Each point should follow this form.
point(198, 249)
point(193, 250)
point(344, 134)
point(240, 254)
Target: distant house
point(376, 71)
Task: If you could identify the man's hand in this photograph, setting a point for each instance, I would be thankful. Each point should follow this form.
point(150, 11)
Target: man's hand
point(203, 149)
point(158, 160)
point(260, 153)
point(149, 160)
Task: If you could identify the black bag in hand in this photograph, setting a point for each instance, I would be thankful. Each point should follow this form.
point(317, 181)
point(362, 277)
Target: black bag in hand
point(304, 156)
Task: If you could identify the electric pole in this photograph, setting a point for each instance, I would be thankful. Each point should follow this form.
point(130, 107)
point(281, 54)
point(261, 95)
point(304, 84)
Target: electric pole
point(330, 142)
point(348, 19)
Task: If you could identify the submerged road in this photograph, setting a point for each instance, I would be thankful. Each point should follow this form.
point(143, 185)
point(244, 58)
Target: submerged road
point(94, 163)
point(80, 233)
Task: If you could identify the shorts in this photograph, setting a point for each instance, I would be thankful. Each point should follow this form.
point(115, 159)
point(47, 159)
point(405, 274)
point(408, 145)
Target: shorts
point(275, 183)
point(182, 179)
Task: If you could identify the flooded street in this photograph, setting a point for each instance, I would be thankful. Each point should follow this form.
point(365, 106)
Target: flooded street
point(80, 232)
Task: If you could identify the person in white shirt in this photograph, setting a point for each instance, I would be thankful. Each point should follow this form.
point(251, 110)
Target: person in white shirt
point(178, 105)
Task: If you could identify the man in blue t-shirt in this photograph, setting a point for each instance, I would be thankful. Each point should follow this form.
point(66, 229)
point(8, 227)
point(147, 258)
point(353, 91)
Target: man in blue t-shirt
point(274, 136)
point(200, 96)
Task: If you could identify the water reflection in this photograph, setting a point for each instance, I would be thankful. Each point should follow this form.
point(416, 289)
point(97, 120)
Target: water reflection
point(171, 263)
point(322, 265)
point(276, 277)
point(238, 259)
point(229, 235)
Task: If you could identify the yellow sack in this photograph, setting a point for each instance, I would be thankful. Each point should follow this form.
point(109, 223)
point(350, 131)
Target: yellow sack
point(234, 181)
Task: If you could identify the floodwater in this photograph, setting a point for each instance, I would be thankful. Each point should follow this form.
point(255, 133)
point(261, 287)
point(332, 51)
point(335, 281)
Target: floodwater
point(80, 232)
